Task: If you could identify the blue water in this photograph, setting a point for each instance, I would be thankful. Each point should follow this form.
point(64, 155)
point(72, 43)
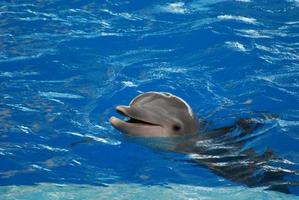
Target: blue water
point(65, 65)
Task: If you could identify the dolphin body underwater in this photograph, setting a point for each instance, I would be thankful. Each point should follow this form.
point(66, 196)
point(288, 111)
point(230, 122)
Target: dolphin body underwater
point(163, 116)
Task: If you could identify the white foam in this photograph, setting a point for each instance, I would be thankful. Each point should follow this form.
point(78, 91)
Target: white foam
point(22, 108)
point(248, 20)
point(52, 148)
point(236, 46)
point(77, 162)
point(96, 138)
point(129, 84)
point(75, 133)
point(252, 33)
point(39, 167)
point(25, 129)
point(60, 95)
point(100, 127)
point(124, 15)
point(286, 123)
point(176, 8)
point(17, 74)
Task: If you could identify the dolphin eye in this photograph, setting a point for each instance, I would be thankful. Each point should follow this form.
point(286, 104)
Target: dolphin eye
point(176, 128)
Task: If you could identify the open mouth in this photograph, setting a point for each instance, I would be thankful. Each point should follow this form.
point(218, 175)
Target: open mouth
point(121, 110)
point(136, 124)
point(137, 121)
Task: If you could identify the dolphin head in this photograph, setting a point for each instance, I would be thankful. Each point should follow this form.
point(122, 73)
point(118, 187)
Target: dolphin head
point(156, 114)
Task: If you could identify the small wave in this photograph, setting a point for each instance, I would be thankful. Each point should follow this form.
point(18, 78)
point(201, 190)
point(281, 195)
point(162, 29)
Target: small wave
point(295, 2)
point(24, 129)
point(175, 8)
point(38, 167)
point(171, 69)
point(17, 74)
point(56, 100)
point(4, 152)
point(278, 169)
point(31, 19)
point(19, 58)
point(292, 23)
point(250, 33)
point(236, 46)
point(60, 95)
point(100, 127)
point(248, 20)
point(245, 1)
point(282, 79)
point(264, 48)
point(52, 148)
point(287, 123)
point(125, 15)
point(76, 162)
point(22, 108)
point(278, 52)
point(96, 138)
point(129, 84)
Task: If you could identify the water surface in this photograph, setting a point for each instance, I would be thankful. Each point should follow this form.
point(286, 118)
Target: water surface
point(64, 66)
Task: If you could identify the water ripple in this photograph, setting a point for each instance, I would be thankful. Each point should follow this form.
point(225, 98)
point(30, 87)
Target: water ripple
point(60, 95)
point(65, 65)
point(248, 20)
point(177, 8)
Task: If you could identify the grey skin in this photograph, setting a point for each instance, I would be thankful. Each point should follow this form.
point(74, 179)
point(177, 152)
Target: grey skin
point(157, 114)
point(164, 116)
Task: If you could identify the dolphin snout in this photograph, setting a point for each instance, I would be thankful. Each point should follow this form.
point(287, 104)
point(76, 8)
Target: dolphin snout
point(123, 110)
point(114, 121)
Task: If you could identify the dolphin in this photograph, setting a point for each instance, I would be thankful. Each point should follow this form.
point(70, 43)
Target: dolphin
point(157, 114)
point(168, 117)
